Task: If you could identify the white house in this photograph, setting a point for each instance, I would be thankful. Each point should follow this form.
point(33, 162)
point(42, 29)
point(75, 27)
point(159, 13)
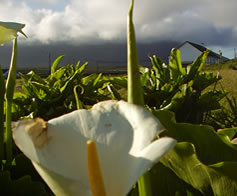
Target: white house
point(190, 51)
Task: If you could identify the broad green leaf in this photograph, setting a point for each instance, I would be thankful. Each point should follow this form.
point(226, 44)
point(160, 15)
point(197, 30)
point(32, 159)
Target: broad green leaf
point(197, 65)
point(89, 79)
point(175, 64)
point(57, 75)
point(68, 86)
point(162, 72)
point(166, 183)
point(40, 86)
point(216, 179)
point(211, 147)
point(223, 178)
point(230, 132)
point(96, 81)
point(118, 81)
point(204, 79)
point(32, 76)
point(210, 100)
point(56, 63)
point(183, 161)
point(82, 67)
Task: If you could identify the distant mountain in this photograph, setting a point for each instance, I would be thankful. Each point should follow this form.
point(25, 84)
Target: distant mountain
point(107, 53)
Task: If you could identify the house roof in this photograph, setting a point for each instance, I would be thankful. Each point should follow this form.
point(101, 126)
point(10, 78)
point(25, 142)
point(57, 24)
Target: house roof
point(201, 49)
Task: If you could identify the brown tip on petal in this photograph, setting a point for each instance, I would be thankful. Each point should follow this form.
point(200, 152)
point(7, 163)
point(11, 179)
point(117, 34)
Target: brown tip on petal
point(38, 131)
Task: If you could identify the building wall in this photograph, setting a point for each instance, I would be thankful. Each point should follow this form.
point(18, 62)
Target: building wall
point(212, 60)
point(188, 53)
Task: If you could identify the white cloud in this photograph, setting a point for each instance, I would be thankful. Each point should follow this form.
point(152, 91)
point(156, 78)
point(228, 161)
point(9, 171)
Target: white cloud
point(80, 21)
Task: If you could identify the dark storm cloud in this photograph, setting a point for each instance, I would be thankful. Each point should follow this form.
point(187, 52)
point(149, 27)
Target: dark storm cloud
point(91, 22)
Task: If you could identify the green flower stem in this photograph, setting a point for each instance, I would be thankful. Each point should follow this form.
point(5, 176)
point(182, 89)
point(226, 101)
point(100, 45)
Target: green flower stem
point(8, 132)
point(10, 86)
point(135, 92)
point(144, 185)
point(2, 93)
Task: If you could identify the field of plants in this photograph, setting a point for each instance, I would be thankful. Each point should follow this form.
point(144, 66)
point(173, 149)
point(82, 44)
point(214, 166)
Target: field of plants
point(197, 97)
point(165, 130)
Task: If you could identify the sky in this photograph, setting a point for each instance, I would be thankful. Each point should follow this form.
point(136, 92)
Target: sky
point(212, 23)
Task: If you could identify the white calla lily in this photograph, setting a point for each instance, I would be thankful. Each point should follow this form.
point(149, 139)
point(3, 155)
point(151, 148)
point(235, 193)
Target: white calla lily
point(124, 134)
point(9, 30)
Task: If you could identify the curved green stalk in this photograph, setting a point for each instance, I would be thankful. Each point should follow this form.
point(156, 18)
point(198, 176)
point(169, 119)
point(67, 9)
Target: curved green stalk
point(10, 86)
point(135, 92)
point(78, 102)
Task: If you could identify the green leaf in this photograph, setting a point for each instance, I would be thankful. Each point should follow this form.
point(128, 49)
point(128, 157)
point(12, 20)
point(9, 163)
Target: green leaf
point(96, 81)
point(223, 178)
point(56, 63)
point(230, 132)
point(197, 65)
point(210, 100)
point(166, 182)
point(183, 161)
point(162, 72)
point(175, 65)
point(216, 179)
point(211, 147)
point(118, 81)
point(115, 94)
point(82, 67)
point(204, 79)
point(89, 79)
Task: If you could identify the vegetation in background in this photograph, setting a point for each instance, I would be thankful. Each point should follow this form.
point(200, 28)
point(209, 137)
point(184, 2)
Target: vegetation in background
point(64, 90)
point(204, 161)
point(181, 90)
point(195, 165)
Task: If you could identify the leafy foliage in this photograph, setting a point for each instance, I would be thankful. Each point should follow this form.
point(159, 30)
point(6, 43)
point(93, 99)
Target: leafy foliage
point(64, 90)
point(181, 90)
point(225, 116)
point(203, 161)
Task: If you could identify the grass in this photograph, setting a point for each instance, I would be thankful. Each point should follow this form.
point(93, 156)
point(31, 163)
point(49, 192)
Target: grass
point(228, 74)
point(228, 81)
point(229, 78)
